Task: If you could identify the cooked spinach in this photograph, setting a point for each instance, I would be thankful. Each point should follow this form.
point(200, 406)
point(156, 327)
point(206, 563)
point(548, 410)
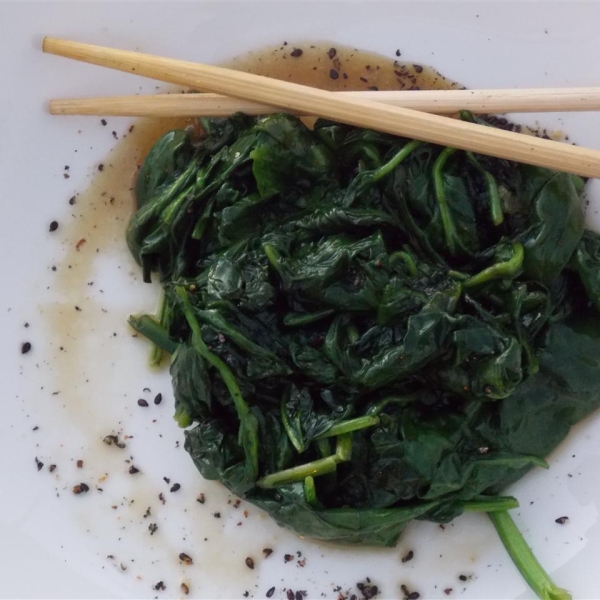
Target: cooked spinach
point(363, 329)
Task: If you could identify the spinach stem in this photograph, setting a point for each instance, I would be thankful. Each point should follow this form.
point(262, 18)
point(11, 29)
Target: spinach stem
point(492, 189)
point(248, 432)
point(272, 256)
point(321, 466)
point(296, 439)
point(389, 166)
point(407, 259)
point(500, 270)
point(150, 328)
point(310, 491)
point(315, 468)
point(215, 320)
point(350, 425)
point(343, 447)
point(524, 560)
point(440, 194)
point(182, 417)
point(300, 319)
point(491, 503)
point(156, 351)
point(377, 408)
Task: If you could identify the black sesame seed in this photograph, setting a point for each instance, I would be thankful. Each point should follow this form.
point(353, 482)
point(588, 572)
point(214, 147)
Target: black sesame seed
point(101, 167)
point(462, 577)
point(418, 68)
point(332, 52)
point(270, 592)
point(39, 464)
point(175, 487)
point(561, 520)
point(158, 399)
point(142, 402)
point(408, 556)
point(249, 562)
point(296, 52)
point(133, 470)
point(103, 121)
point(333, 74)
point(53, 226)
point(25, 348)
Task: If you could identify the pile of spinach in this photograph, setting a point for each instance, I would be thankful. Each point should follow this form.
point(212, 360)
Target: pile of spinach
point(364, 329)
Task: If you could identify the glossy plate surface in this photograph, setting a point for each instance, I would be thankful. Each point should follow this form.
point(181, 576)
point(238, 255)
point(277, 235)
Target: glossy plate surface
point(85, 372)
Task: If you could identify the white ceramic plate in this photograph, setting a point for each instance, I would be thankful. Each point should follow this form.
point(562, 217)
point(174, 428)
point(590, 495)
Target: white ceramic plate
point(55, 544)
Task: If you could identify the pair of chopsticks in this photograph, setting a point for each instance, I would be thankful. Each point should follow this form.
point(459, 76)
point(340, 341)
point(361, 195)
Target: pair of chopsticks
point(390, 112)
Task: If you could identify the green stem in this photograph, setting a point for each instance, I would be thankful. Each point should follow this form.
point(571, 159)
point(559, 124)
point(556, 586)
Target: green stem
point(154, 331)
point(343, 447)
point(380, 406)
point(440, 194)
point(389, 166)
point(216, 321)
point(300, 319)
point(182, 417)
point(525, 561)
point(492, 188)
point(349, 426)
point(272, 256)
point(457, 275)
point(489, 504)
point(407, 259)
point(315, 468)
point(156, 351)
point(292, 433)
point(501, 270)
point(352, 333)
point(202, 222)
point(248, 433)
point(310, 491)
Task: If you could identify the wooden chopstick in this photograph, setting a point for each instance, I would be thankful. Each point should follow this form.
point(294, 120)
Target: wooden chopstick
point(306, 100)
point(431, 101)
